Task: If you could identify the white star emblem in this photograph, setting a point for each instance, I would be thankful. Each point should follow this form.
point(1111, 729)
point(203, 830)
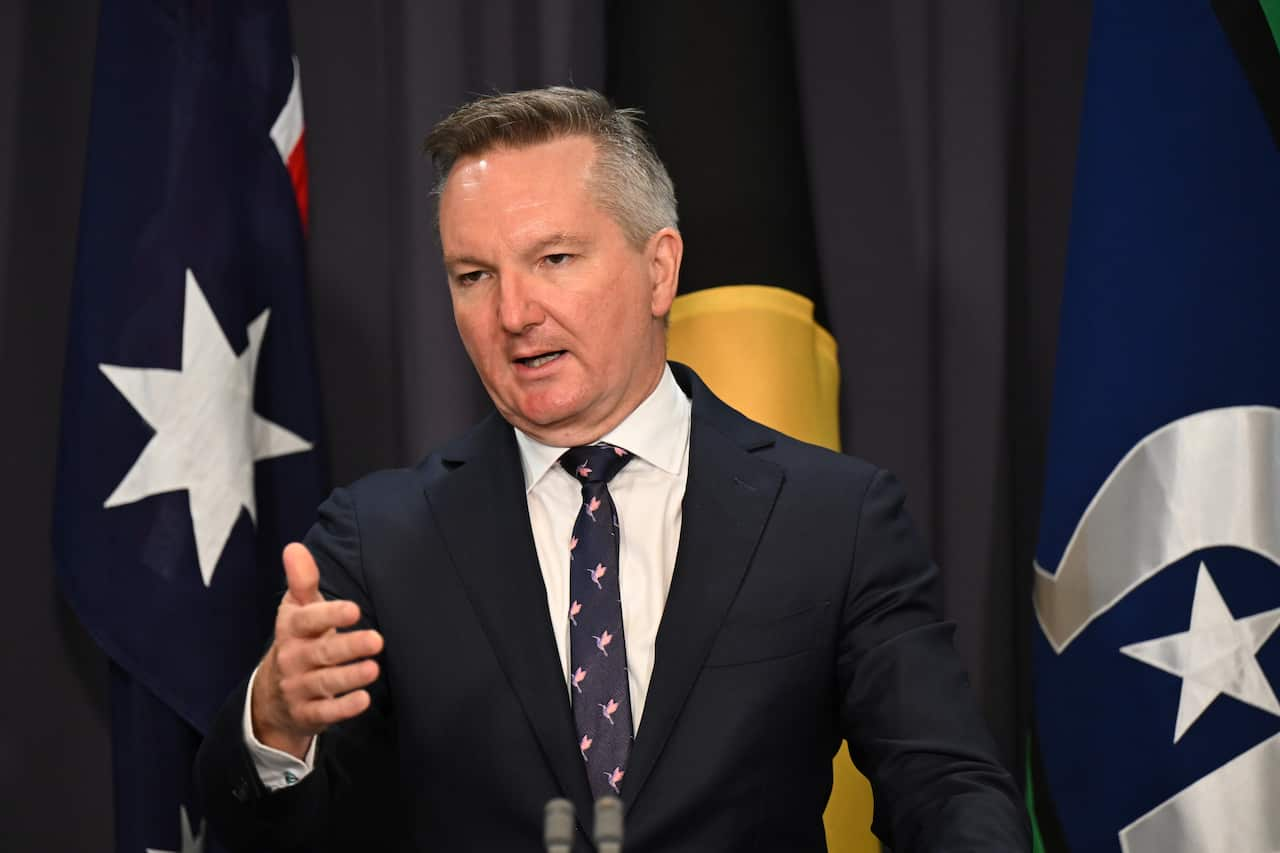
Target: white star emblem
point(207, 435)
point(191, 842)
point(1217, 655)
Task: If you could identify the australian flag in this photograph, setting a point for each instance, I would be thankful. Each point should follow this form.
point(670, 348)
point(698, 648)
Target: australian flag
point(1157, 589)
point(190, 418)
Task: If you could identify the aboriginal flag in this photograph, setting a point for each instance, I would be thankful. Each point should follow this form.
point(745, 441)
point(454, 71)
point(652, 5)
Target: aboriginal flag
point(750, 317)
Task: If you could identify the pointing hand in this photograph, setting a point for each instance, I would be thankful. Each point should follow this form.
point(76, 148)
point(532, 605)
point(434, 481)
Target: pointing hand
point(313, 675)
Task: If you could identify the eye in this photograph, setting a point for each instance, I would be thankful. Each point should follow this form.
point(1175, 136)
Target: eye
point(469, 277)
point(558, 259)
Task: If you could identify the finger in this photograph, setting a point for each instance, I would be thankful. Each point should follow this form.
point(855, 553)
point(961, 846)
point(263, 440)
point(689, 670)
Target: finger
point(320, 713)
point(330, 681)
point(315, 619)
point(302, 574)
point(339, 648)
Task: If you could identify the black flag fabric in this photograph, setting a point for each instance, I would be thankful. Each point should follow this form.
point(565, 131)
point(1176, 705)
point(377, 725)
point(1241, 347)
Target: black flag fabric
point(750, 316)
point(190, 404)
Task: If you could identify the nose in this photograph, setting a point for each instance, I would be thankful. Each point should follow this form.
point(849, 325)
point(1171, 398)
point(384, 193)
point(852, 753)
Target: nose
point(518, 306)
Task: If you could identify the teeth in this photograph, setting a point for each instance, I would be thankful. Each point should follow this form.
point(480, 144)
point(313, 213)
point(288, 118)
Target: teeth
point(542, 359)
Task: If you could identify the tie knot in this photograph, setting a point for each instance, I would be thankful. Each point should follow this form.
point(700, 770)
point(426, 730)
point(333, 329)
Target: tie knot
point(594, 463)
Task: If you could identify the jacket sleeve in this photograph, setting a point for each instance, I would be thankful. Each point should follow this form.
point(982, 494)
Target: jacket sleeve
point(346, 802)
point(906, 706)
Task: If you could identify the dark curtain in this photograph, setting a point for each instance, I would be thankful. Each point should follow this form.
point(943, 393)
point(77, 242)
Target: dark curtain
point(55, 770)
point(941, 150)
point(940, 145)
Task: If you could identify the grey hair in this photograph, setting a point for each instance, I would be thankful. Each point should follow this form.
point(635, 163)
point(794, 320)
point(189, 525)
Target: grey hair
point(628, 179)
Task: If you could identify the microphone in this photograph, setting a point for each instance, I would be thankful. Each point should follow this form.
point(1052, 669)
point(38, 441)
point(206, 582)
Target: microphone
point(608, 828)
point(558, 826)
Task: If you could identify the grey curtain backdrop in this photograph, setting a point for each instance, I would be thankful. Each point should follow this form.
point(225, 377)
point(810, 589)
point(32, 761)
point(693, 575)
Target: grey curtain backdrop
point(940, 142)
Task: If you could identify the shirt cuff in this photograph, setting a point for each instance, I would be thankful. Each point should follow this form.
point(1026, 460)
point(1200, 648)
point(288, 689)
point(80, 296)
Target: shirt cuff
point(276, 769)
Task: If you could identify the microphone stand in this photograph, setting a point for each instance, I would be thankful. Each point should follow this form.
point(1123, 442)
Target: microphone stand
point(558, 826)
point(608, 829)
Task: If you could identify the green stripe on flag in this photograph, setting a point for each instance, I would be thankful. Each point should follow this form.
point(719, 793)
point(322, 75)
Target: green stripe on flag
point(1252, 28)
point(1037, 840)
point(1271, 9)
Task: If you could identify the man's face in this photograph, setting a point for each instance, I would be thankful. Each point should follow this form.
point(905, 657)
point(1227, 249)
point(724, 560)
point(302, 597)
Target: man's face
point(561, 316)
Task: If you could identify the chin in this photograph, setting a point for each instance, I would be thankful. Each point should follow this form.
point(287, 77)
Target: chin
point(544, 414)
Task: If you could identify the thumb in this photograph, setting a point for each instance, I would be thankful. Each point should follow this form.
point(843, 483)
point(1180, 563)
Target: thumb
point(302, 574)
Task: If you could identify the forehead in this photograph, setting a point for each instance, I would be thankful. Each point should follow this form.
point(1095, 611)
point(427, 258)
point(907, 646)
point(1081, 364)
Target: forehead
point(513, 189)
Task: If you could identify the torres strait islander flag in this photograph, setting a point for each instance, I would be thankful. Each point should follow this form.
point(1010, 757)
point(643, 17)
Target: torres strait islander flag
point(190, 412)
point(1157, 576)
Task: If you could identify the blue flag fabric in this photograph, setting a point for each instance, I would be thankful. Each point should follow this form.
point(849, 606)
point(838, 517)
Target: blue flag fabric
point(190, 415)
point(1157, 591)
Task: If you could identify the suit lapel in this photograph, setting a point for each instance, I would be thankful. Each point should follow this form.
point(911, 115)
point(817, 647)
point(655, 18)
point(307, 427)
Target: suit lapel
point(728, 498)
point(482, 514)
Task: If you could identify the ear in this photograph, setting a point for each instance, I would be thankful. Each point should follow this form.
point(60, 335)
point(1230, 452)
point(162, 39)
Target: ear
point(664, 252)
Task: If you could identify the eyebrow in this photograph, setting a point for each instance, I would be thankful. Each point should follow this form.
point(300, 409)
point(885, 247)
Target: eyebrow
point(537, 247)
point(564, 238)
point(463, 261)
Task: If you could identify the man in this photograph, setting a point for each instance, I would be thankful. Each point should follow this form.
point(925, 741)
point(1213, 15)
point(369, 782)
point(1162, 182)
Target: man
point(614, 583)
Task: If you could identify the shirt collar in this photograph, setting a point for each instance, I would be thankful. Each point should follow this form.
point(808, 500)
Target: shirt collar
point(656, 431)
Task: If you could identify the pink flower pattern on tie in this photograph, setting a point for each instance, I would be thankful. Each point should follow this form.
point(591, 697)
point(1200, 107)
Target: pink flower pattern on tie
point(597, 573)
point(599, 690)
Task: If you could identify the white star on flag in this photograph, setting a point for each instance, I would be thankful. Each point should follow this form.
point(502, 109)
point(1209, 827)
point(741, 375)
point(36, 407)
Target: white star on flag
point(191, 842)
point(1217, 655)
point(208, 436)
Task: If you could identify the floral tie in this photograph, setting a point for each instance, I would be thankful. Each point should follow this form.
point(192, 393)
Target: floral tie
point(597, 649)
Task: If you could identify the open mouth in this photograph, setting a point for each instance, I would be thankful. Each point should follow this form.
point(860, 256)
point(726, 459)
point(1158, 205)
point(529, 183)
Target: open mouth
point(539, 360)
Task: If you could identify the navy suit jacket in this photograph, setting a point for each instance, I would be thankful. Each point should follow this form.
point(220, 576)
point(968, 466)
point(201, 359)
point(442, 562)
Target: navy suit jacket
point(801, 612)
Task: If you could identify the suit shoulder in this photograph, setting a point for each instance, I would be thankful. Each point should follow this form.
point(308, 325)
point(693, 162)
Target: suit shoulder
point(798, 459)
point(395, 491)
point(393, 485)
point(812, 463)
point(800, 455)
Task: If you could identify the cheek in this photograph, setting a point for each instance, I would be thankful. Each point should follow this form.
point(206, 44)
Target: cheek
point(628, 317)
point(621, 308)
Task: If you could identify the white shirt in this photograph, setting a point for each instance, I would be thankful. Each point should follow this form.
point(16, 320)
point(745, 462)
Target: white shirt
point(648, 494)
